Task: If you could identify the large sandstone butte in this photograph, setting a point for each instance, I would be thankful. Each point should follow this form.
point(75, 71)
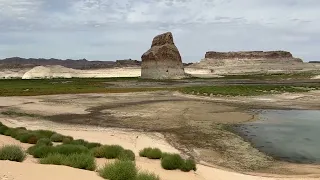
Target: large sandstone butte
point(250, 62)
point(162, 60)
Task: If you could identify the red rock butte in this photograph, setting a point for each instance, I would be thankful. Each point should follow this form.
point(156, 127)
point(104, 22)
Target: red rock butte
point(162, 60)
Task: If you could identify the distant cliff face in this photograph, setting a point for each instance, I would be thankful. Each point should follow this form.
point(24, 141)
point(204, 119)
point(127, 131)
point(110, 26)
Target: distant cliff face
point(248, 55)
point(17, 62)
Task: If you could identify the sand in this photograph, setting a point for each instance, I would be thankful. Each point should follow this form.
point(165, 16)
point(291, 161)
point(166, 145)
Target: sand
point(30, 169)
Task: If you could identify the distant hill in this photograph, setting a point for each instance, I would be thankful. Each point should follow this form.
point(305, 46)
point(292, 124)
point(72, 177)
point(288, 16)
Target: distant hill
point(17, 62)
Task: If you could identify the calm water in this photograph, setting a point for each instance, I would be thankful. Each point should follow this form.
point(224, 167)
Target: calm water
point(291, 135)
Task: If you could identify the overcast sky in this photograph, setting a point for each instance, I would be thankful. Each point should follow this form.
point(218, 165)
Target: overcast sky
point(121, 29)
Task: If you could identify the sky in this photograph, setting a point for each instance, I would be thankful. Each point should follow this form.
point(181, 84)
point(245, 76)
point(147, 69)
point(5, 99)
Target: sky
point(123, 29)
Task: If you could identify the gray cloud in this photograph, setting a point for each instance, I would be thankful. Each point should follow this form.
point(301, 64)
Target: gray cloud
point(116, 29)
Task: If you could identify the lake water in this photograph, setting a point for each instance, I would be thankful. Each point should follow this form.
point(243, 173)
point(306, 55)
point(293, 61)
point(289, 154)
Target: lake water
point(290, 135)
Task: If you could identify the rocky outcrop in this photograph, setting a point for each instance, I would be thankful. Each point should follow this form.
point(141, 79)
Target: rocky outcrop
point(248, 55)
point(162, 60)
point(250, 62)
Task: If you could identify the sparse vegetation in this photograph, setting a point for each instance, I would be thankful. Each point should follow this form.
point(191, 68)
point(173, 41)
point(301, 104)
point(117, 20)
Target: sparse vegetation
point(172, 162)
point(119, 170)
point(147, 176)
point(127, 155)
point(44, 141)
point(56, 137)
point(80, 161)
point(188, 165)
point(12, 153)
point(245, 90)
point(151, 153)
point(107, 151)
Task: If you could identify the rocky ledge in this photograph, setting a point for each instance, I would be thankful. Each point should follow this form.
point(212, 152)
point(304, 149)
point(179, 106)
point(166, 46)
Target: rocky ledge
point(248, 55)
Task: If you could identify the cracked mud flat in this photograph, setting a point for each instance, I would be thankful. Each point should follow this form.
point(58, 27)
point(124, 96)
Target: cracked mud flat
point(194, 125)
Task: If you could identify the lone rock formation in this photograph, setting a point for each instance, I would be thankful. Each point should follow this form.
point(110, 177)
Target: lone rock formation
point(162, 60)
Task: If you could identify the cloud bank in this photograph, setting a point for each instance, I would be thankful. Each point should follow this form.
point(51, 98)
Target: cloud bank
point(120, 29)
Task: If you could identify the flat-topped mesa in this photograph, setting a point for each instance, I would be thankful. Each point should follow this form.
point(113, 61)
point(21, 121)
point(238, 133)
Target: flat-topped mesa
point(162, 60)
point(249, 55)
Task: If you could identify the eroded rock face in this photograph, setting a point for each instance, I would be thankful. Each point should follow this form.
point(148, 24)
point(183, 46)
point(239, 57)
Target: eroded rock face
point(248, 55)
point(162, 60)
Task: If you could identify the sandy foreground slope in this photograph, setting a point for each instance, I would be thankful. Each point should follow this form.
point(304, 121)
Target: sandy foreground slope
point(30, 169)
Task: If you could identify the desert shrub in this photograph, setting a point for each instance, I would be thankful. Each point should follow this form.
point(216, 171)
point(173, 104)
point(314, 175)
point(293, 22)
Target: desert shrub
point(28, 137)
point(12, 153)
point(44, 141)
point(188, 165)
point(93, 145)
point(41, 151)
point(67, 140)
point(80, 161)
point(3, 129)
point(68, 149)
point(16, 132)
point(112, 151)
point(147, 176)
point(43, 133)
point(144, 152)
point(107, 151)
point(154, 153)
point(172, 162)
point(53, 158)
point(127, 155)
point(79, 142)
point(119, 170)
point(56, 137)
point(9, 131)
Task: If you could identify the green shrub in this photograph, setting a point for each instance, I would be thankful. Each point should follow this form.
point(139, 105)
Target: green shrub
point(68, 149)
point(9, 131)
point(93, 145)
point(28, 137)
point(127, 155)
point(119, 170)
point(147, 176)
point(44, 141)
point(3, 129)
point(53, 158)
point(172, 162)
point(144, 152)
point(67, 140)
point(113, 151)
point(107, 151)
point(79, 142)
point(154, 153)
point(12, 153)
point(43, 133)
point(80, 161)
point(56, 137)
point(151, 153)
point(16, 132)
point(188, 165)
point(41, 151)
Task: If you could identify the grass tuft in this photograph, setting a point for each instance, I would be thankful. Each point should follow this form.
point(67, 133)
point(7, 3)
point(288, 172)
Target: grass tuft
point(127, 155)
point(12, 153)
point(44, 141)
point(188, 165)
point(172, 162)
point(107, 151)
point(151, 153)
point(80, 161)
point(119, 170)
point(56, 137)
point(147, 176)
